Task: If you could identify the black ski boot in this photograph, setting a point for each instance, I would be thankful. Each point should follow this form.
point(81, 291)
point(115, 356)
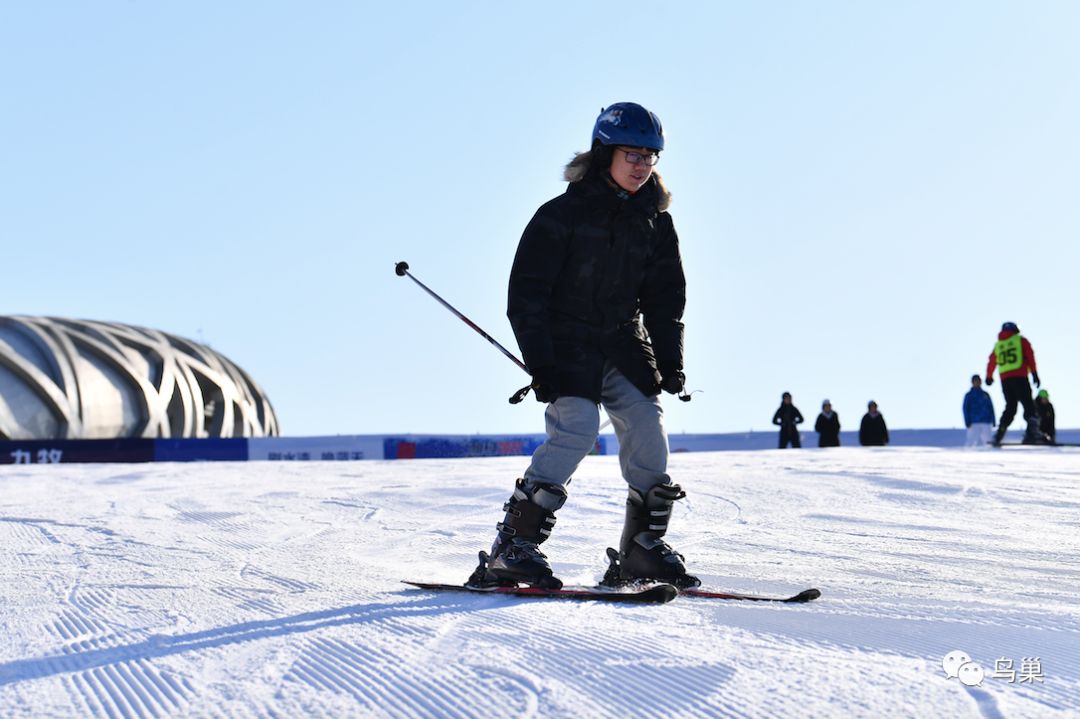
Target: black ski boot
point(643, 554)
point(515, 555)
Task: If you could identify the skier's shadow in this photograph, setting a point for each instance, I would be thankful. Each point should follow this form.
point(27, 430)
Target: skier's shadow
point(163, 645)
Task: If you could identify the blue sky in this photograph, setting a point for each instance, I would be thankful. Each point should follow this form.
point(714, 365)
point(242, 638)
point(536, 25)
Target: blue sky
point(864, 192)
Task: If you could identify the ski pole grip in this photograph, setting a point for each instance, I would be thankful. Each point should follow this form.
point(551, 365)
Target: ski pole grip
point(520, 394)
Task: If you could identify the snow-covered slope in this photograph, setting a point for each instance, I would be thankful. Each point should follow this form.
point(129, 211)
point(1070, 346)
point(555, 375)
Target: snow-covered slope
point(272, 590)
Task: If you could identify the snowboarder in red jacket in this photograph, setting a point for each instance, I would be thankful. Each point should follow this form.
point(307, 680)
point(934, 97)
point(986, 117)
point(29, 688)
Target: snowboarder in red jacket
point(1014, 359)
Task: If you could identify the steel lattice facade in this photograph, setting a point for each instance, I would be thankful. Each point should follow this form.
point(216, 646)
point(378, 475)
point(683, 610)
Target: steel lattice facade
point(80, 379)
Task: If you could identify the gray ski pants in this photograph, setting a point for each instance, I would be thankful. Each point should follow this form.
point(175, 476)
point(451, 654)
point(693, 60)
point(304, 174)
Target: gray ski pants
point(573, 424)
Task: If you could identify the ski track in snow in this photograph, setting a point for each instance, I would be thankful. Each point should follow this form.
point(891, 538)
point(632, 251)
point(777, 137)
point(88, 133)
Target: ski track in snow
point(272, 590)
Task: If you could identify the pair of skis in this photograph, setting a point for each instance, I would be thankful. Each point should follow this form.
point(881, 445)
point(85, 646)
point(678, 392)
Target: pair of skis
point(636, 592)
point(654, 593)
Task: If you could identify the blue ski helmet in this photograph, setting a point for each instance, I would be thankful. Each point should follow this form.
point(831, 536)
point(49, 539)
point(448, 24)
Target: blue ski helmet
point(1010, 327)
point(628, 123)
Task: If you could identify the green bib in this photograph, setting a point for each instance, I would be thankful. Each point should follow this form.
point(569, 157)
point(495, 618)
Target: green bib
point(1010, 354)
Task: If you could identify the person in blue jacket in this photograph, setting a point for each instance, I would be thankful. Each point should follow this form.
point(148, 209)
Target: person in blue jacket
point(978, 414)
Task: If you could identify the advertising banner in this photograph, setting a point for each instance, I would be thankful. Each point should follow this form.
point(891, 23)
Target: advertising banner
point(322, 449)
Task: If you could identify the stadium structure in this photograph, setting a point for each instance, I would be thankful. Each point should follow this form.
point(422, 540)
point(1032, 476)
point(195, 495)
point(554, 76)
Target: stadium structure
point(66, 379)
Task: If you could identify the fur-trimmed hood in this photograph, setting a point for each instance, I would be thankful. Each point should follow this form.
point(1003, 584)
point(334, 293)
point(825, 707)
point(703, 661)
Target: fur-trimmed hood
point(578, 167)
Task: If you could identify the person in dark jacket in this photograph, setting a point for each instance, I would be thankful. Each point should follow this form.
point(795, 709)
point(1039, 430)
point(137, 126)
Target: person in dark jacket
point(788, 418)
point(1045, 411)
point(978, 414)
point(828, 426)
point(1014, 358)
point(872, 430)
point(596, 300)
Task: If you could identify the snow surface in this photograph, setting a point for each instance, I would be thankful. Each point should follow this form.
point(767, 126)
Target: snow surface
point(272, 590)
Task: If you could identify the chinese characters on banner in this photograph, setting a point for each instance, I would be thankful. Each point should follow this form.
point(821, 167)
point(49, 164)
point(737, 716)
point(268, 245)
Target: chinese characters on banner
point(41, 456)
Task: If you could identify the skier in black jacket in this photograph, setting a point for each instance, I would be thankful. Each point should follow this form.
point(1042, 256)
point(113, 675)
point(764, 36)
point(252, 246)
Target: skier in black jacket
point(596, 299)
point(828, 426)
point(872, 430)
point(1045, 411)
point(788, 417)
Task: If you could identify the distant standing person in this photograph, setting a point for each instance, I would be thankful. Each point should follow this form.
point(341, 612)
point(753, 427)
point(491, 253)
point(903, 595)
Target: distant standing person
point(827, 426)
point(1045, 411)
point(788, 418)
point(872, 431)
point(1014, 358)
point(978, 414)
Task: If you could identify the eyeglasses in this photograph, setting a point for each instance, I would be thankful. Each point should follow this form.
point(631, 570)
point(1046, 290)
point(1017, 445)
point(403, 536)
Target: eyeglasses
point(637, 158)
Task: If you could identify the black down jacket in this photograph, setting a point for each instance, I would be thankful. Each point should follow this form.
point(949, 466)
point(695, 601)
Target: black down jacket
point(598, 276)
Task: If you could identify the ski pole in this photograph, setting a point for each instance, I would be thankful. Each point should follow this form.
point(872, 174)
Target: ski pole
point(402, 270)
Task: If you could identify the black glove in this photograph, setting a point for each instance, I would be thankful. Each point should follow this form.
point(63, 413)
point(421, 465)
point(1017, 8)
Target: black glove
point(989, 381)
point(545, 384)
point(673, 381)
point(1035, 378)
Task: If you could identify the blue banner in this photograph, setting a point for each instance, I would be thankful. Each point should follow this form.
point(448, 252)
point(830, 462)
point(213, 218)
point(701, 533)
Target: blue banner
point(452, 446)
point(55, 451)
point(214, 449)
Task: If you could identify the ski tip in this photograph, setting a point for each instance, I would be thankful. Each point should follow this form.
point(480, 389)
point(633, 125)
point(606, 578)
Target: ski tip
point(807, 595)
